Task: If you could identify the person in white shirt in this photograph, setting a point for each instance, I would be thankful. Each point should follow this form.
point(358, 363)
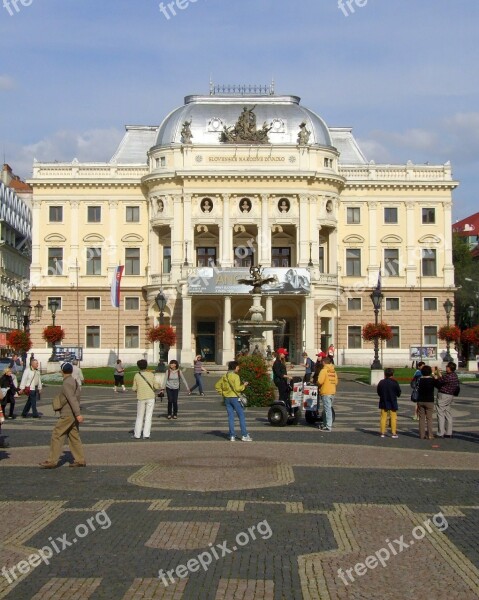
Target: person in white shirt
point(31, 385)
point(77, 373)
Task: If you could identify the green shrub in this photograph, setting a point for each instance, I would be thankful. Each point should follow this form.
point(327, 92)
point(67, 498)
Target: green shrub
point(260, 391)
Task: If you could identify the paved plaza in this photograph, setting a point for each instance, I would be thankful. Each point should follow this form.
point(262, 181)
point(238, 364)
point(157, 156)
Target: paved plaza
point(298, 514)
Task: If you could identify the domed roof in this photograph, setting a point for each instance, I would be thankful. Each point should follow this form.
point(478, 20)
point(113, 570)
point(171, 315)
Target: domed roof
point(207, 117)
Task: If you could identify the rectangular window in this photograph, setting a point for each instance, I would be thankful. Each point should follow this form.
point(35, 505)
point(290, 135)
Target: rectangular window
point(354, 304)
point(430, 303)
point(162, 161)
point(132, 261)
point(54, 299)
point(166, 259)
point(132, 303)
point(132, 336)
point(93, 303)
point(354, 336)
point(93, 336)
point(56, 214)
point(430, 335)
point(94, 214)
point(353, 262)
point(429, 263)
point(281, 257)
point(55, 261)
point(391, 262)
point(391, 215)
point(321, 259)
point(93, 261)
point(394, 342)
point(132, 214)
point(428, 215)
point(392, 303)
point(243, 256)
point(353, 215)
point(205, 257)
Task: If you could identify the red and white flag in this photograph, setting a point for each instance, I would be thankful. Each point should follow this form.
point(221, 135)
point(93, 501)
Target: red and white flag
point(115, 286)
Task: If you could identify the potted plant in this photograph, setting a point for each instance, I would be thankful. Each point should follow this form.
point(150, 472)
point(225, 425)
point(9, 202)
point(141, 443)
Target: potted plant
point(449, 333)
point(379, 331)
point(53, 334)
point(19, 341)
point(165, 334)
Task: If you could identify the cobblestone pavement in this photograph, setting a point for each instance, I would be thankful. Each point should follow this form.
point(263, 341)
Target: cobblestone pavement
point(297, 514)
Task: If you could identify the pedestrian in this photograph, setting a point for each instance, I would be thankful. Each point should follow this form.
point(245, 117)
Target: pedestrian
point(174, 376)
point(414, 383)
point(119, 376)
point(327, 383)
point(308, 368)
point(144, 385)
point(199, 369)
point(448, 388)
point(77, 373)
point(425, 402)
point(331, 353)
point(280, 377)
point(230, 387)
point(317, 367)
point(67, 423)
point(160, 378)
point(388, 390)
point(9, 389)
point(31, 386)
point(16, 366)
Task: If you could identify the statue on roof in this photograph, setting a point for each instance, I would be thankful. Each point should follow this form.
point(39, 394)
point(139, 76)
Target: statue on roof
point(303, 135)
point(245, 131)
point(186, 135)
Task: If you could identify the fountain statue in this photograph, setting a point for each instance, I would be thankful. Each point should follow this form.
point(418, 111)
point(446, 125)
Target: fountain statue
point(256, 324)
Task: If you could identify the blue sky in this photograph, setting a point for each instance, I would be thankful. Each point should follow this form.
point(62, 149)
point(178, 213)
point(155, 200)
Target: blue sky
point(403, 73)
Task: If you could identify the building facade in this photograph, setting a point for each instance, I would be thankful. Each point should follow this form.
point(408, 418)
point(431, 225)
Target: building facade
point(226, 182)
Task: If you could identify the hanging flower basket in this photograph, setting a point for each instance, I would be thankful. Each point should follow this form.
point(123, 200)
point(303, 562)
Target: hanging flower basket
point(162, 333)
point(471, 335)
point(19, 341)
point(450, 333)
point(53, 334)
point(381, 331)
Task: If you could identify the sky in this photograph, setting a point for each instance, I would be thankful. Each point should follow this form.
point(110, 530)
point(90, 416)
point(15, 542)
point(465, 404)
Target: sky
point(402, 73)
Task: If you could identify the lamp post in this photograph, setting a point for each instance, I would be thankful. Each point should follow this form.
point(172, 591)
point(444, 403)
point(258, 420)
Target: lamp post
point(53, 306)
point(448, 308)
point(161, 303)
point(22, 313)
point(310, 263)
point(186, 264)
point(376, 299)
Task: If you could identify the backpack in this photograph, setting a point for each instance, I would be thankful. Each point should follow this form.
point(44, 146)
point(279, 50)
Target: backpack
point(310, 364)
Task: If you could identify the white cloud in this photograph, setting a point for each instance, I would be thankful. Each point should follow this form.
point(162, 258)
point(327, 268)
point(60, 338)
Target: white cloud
point(6, 83)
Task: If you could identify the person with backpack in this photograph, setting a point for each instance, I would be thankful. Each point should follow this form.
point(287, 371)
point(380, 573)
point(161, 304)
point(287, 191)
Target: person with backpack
point(174, 376)
point(414, 384)
point(308, 368)
point(230, 387)
point(448, 385)
point(388, 390)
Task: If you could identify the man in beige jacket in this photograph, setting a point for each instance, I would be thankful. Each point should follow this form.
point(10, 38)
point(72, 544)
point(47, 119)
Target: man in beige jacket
point(67, 424)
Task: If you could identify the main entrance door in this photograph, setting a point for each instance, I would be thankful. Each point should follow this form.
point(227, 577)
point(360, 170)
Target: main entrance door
point(206, 340)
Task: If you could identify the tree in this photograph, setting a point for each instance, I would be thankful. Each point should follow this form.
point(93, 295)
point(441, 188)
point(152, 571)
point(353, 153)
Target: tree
point(19, 341)
point(260, 388)
point(464, 267)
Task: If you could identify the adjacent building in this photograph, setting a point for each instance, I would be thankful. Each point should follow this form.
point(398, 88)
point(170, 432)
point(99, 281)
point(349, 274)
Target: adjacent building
point(231, 180)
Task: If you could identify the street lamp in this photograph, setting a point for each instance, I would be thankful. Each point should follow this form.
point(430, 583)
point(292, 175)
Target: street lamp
point(310, 263)
point(161, 302)
point(53, 306)
point(376, 299)
point(470, 311)
point(22, 312)
point(448, 308)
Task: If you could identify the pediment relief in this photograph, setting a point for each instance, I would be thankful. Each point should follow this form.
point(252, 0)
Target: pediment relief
point(354, 239)
point(93, 237)
point(132, 237)
point(55, 237)
point(429, 239)
point(391, 239)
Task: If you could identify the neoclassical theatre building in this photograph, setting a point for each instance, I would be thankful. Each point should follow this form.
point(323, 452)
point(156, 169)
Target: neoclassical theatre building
point(240, 178)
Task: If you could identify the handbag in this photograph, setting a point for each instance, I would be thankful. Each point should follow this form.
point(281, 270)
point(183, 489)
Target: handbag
point(26, 390)
point(57, 403)
point(242, 399)
point(415, 391)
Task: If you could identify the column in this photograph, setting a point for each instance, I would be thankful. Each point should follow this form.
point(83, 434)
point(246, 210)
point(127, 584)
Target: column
point(177, 240)
point(448, 266)
point(303, 233)
point(269, 317)
point(228, 351)
point(411, 251)
point(264, 238)
point(188, 234)
point(186, 354)
point(373, 263)
point(227, 234)
point(308, 319)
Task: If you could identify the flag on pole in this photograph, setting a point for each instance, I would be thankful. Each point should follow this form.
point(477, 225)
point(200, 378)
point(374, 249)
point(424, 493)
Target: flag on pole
point(378, 286)
point(115, 286)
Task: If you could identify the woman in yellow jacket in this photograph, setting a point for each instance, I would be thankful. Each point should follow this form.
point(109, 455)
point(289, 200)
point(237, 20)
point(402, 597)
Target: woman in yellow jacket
point(230, 387)
point(327, 382)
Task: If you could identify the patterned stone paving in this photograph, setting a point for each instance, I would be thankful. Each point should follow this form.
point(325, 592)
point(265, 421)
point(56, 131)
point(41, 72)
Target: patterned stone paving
point(294, 515)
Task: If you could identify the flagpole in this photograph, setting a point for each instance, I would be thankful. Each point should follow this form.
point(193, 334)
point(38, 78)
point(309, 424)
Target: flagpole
point(78, 308)
point(118, 329)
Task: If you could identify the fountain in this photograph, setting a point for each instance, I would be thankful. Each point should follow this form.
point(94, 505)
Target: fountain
point(256, 325)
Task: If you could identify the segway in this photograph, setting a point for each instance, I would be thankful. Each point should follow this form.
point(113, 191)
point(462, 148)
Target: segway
point(278, 414)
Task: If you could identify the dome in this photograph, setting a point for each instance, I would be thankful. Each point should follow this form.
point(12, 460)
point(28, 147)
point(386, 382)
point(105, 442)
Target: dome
point(209, 115)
